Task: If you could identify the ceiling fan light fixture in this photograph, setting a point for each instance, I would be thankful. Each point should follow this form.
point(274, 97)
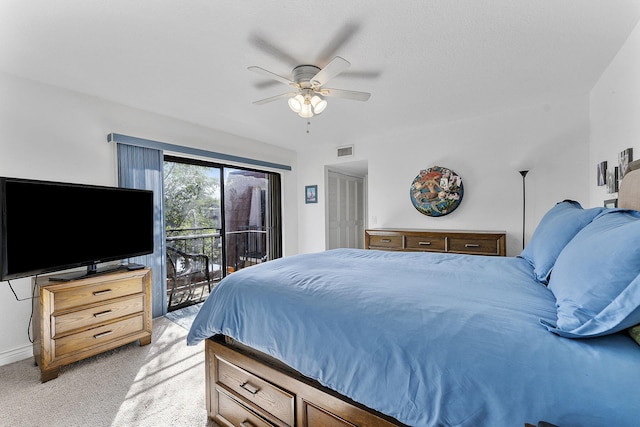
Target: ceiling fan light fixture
point(296, 103)
point(318, 104)
point(308, 81)
point(306, 111)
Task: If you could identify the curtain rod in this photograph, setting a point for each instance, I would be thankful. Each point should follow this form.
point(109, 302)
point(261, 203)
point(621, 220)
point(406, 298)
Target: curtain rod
point(164, 146)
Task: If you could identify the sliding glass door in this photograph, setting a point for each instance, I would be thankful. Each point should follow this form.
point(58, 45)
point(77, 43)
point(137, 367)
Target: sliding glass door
point(244, 213)
point(219, 219)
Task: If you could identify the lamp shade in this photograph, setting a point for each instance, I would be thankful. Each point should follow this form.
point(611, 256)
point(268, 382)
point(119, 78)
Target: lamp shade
point(306, 111)
point(318, 104)
point(296, 103)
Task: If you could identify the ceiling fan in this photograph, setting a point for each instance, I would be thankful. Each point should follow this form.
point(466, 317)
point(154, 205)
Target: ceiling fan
point(308, 81)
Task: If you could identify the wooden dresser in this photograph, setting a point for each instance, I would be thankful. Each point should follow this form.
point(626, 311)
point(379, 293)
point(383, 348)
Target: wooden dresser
point(449, 241)
point(77, 319)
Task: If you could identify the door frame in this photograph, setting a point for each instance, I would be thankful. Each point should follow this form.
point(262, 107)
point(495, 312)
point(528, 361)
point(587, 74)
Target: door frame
point(360, 172)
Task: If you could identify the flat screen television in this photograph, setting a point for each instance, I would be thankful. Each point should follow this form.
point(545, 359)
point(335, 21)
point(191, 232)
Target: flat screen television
point(53, 226)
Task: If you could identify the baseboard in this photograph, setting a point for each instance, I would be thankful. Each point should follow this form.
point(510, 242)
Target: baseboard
point(16, 354)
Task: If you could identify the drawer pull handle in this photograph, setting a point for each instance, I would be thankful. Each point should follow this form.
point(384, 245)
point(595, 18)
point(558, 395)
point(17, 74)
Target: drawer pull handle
point(98, 293)
point(424, 243)
point(251, 389)
point(247, 423)
point(102, 313)
point(471, 245)
point(385, 240)
point(103, 334)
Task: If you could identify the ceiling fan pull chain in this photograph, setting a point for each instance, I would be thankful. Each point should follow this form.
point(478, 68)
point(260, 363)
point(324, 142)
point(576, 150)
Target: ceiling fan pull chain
point(308, 123)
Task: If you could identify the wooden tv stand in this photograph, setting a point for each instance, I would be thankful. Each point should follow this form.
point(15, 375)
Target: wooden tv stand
point(76, 319)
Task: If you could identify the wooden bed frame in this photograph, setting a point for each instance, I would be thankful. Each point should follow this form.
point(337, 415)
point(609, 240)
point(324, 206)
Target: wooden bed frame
point(251, 389)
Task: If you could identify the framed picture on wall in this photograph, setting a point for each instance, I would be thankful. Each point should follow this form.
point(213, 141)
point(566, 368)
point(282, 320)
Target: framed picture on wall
point(311, 194)
point(624, 158)
point(602, 173)
point(612, 180)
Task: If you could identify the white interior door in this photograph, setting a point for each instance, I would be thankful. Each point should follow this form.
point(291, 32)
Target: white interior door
point(345, 211)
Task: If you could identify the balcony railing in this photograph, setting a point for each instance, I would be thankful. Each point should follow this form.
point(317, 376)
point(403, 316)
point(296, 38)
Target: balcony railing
point(194, 265)
point(195, 260)
point(246, 247)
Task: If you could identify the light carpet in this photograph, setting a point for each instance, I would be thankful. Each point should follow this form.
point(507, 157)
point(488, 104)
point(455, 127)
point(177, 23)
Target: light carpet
point(161, 384)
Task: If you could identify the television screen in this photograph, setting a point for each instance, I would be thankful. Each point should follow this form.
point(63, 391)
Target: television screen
point(51, 226)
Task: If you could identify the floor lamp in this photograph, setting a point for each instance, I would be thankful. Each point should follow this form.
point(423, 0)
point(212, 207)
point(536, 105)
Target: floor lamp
point(524, 199)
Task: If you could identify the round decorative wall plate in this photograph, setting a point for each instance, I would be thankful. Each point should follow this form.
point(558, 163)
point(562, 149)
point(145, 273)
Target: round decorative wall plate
point(436, 191)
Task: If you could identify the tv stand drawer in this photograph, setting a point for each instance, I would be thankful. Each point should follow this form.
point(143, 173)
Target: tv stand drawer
point(100, 335)
point(81, 292)
point(96, 314)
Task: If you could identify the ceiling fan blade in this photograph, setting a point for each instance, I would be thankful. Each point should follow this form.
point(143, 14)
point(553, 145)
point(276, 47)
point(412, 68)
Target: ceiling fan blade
point(271, 75)
point(332, 69)
point(341, 38)
point(275, 98)
point(346, 94)
point(270, 48)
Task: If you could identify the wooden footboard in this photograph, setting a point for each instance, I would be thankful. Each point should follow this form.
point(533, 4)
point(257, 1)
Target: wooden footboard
point(248, 388)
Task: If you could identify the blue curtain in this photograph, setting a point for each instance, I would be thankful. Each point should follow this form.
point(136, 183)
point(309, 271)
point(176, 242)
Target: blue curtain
point(142, 168)
point(274, 217)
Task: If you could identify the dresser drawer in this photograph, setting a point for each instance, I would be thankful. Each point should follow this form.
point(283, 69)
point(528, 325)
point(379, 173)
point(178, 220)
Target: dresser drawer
point(253, 389)
point(89, 294)
point(237, 414)
point(319, 417)
point(102, 334)
point(385, 242)
point(426, 243)
point(96, 314)
point(474, 246)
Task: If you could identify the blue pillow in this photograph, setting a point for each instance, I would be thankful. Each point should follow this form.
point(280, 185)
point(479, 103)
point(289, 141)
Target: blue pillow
point(596, 278)
point(556, 229)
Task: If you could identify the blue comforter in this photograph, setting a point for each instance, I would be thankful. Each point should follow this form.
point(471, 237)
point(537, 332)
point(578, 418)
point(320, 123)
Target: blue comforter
point(429, 339)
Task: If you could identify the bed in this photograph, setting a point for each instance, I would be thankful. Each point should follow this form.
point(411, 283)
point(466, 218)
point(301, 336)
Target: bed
point(360, 337)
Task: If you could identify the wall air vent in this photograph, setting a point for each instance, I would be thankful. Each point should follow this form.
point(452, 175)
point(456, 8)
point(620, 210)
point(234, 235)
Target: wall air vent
point(345, 151)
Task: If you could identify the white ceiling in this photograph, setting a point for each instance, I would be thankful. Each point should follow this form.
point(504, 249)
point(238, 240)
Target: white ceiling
point(423, 61)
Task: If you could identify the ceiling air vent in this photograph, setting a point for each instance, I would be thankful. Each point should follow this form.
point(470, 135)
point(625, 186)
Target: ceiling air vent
point(345, 151)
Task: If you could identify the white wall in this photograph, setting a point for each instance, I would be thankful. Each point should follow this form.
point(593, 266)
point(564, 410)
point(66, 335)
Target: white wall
point(487, 152)
point(53, 134)
point(615, 113)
